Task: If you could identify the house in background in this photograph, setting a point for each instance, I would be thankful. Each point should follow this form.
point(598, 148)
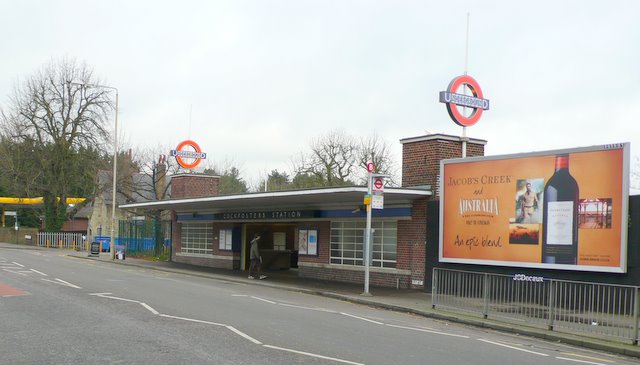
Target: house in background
point(134, 187)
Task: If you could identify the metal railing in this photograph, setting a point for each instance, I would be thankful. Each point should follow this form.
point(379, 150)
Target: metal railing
point(593, 309)
point(62, 240)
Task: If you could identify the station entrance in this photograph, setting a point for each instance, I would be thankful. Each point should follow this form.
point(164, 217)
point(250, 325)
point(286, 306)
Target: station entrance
point(278, 245)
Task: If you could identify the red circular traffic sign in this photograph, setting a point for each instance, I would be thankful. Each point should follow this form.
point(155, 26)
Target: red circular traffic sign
point(370, 166)
point(378, 183)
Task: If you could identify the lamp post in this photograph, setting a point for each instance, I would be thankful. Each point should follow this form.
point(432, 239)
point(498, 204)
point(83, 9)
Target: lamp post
point(112, 250)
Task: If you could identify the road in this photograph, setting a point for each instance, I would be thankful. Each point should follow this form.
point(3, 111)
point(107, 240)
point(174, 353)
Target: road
point(58, 309)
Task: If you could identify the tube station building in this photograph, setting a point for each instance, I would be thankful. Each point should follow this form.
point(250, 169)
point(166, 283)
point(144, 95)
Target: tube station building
point(318, 233)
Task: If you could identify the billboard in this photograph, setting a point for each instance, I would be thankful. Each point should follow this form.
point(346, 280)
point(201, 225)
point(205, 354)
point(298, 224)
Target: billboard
point(562, 209)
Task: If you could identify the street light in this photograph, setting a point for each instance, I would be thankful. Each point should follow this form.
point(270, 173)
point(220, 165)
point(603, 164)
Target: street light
point(115, 157)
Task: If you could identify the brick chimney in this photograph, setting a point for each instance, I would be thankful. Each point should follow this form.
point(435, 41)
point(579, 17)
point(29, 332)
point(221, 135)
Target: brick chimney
point(194, 186)
point(421, 157)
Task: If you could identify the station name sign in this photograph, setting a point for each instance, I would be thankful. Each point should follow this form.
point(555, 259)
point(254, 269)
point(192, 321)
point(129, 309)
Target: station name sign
point(268, 215)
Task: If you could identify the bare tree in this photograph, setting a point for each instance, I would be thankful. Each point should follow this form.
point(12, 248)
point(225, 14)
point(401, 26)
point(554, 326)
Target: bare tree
point(59, 119)
point(331, 160)
point(376, 150)
point(337, 159)
point(150, 175)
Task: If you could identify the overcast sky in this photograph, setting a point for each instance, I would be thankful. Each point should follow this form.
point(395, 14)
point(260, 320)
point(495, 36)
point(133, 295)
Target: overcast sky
point(260, 79)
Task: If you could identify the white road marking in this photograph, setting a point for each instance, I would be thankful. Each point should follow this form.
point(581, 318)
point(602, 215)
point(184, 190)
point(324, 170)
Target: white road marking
point(100, 294)
point(105, 295)
point(68, 284)
point(308, 308)
point(264, 300)
point(580, 361)
point(38, 272)
point(62, 282)
point(193, 320)
point(426, 330)
point(512, 347)
point(361, 318)
point(15, 263)
point(588, 357)
point(313, 355)
point(239, 295)
point(150, 309)
point(244, 335)
point(15, 272)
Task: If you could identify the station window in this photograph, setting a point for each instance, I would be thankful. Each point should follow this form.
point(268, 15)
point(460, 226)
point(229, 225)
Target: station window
point(347, 241)
point(197, 238)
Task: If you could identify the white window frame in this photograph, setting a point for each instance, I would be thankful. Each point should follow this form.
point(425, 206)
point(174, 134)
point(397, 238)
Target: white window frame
point(196, 238)
point(347, 242)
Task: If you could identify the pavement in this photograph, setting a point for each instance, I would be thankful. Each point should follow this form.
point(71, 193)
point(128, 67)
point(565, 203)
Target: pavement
point(416, 302)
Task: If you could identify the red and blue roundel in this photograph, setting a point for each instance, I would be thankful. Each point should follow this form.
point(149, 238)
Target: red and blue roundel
point(475, 101)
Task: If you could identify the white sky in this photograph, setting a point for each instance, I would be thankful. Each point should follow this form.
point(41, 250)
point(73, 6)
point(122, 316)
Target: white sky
point(264, 77)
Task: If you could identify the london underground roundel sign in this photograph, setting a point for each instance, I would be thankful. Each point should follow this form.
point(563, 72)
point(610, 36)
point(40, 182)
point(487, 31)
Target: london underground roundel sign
point(453, 100)
point(194, 156)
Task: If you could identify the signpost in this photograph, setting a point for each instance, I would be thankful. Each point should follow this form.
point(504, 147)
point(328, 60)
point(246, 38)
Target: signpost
point(373, 200)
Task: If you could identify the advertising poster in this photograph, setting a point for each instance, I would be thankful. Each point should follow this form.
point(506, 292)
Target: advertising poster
point(563, 209)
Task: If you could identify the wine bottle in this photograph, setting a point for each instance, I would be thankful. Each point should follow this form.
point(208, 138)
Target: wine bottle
point(560, 216)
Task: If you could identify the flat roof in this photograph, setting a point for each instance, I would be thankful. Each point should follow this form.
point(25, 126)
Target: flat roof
point(319, 198)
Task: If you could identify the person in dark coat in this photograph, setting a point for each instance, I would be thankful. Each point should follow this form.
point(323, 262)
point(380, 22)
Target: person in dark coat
point(256, 259)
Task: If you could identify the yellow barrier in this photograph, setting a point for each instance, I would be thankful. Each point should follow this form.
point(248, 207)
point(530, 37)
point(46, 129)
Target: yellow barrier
point(38, 200)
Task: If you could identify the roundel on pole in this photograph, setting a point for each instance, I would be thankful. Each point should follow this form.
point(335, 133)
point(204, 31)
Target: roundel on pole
point(453, 100)
point(195, 155)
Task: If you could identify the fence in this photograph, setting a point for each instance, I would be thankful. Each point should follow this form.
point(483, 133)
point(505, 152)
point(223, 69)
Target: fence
point(145, 237)
point(62, 240)
point(593, 309)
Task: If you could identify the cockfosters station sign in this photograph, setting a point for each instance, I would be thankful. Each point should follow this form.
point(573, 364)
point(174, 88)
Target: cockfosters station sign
point(453, 100)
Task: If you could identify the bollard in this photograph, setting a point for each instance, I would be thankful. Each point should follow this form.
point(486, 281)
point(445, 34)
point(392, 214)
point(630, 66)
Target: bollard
point(552, 305)
point(485, 296)
point(47, 243)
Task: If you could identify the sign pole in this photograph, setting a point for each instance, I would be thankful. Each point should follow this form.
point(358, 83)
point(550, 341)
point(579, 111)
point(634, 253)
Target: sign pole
point(367, 244)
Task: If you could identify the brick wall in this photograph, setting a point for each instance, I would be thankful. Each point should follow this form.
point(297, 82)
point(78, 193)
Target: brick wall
point(318, 267)
point(412, 240)
point(223, 259)
point(193, 185)
point(324, 242)
point(356, 275)
point(421, 157)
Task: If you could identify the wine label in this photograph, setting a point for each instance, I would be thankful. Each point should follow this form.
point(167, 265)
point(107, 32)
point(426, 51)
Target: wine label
point(560, 223)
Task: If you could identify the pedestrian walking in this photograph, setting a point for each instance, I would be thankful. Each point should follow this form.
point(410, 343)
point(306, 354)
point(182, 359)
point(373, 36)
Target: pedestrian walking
point(256, 259)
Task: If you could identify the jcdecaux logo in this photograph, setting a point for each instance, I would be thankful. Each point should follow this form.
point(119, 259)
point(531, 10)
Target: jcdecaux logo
point(188, 158)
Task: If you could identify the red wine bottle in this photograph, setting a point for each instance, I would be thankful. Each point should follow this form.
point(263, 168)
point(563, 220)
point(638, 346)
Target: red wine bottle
point(560, 216)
